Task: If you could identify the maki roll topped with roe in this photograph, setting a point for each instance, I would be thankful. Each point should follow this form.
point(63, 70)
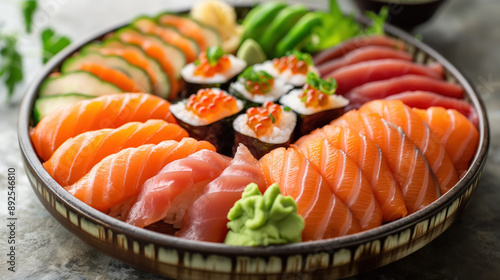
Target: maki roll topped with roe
point(208, 115)
point(262, 129)
point(316, 103)
point(213, 68)
point(257, 87)
point(292, 68)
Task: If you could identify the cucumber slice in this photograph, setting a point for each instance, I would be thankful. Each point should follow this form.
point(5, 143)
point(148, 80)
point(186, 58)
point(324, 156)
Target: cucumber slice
point(161, 84)
point(78, 81)
point(139, 76)
point(48, 104)
point(170, 35)
point(152, 44)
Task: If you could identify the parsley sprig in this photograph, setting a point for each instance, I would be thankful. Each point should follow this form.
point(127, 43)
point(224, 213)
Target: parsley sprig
point(52, 43)
point(327, 87)
point(11, 63)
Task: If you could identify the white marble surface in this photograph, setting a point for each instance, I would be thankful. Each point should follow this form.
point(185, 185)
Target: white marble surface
point(464, 31)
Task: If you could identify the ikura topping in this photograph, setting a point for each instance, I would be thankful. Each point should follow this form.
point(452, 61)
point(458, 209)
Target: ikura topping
point(257, 82)
point(261, 119)
point(211, 62)
point(210, 105)
point(296, 62)
point(316, 90)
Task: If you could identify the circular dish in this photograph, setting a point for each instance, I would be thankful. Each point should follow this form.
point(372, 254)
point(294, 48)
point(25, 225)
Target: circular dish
point(179, 258)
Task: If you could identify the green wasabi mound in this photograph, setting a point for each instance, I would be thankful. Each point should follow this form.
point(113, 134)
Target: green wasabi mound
point(261, 220)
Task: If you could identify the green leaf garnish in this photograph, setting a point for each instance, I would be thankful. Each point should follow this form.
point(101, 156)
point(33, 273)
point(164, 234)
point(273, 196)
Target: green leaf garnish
point(52, 44)
point(11, 63)
point(214, 54)
point(303, 99)
point(378, 21)
point(327, 87)
point(301, 56)
point(29, 7)
point(255, 76)
point(272, 117)
point(286, 109)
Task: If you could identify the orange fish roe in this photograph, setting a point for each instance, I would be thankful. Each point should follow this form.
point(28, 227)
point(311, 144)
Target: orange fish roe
point(313, 97)
point(261, 119)
point(291, 62)
point(211, 105)
point(209, 66)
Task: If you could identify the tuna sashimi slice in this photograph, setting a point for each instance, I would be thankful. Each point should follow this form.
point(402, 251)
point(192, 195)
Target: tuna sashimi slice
point(372, 163)
point(355, 43)
point(206, 219)
point(115, 181)
point(75, 157)
point(175, 188)
point(408, 165)
point(355, 75)
point(325, 215)
point(421, 135)
point(459, 136)
point(109, 111)
point(426, 99)
point(345, 179)
point(367, 53)
point(385, 88)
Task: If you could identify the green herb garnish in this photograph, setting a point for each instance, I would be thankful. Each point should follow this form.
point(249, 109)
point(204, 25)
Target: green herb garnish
point(260, 78)
point(327, 87)
point(52, 44)
point(214, 54)
point(11, 63)
point(286, 109)
point(272, 117)
point(29, 7)
point(301, 56)
point(378, 21)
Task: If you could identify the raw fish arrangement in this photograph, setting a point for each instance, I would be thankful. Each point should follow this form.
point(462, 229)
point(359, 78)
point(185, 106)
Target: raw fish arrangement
point(265, 133)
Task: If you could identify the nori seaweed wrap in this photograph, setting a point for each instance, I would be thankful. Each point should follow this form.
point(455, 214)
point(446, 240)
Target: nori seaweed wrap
point(212, 69)
point(208, 115)
point(262, 129)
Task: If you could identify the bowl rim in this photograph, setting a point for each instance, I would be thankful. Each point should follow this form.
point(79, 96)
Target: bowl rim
point(89, 213)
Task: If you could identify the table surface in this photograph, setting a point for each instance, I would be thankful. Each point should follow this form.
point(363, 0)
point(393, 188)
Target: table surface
point(466, 32)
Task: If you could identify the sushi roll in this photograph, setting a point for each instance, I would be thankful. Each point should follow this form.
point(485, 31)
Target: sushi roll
point(265, 128)
point(208, 115)
point(292, 68)
point(213, 68)
point(316, 104)
point(257, 87)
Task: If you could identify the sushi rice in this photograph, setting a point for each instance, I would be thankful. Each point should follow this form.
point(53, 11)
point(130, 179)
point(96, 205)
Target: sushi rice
point(293, 101)
point(237, 66)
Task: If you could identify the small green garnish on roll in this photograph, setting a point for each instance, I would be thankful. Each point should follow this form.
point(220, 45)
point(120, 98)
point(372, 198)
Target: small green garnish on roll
point(262, 220)
point(214, 54)
point(327, 87)
point(302, 56)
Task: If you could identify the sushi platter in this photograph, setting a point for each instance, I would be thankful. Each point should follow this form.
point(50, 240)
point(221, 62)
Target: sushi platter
point(230, 142)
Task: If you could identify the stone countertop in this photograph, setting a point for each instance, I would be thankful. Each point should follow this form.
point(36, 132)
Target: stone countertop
point(466, 32)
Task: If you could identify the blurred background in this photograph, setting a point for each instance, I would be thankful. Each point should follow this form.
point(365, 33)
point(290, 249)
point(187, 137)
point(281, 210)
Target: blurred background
point(466, 32)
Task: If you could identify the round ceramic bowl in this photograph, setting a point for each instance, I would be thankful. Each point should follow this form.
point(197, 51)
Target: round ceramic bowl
point(179, 258)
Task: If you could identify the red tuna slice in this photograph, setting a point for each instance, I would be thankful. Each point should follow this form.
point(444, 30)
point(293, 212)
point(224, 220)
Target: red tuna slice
point(355, 43)
point(367, 53)
point(358, 74)
point(176, 187)
point(426, 99)
point(385, 88)
point(206, 219)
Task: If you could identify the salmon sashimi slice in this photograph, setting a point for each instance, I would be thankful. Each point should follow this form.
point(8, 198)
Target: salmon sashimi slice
point(355, 75)
point(169, 35)
point(426, 99)
point(185, 26)
point(114, 183)
point(111, 75)
point(346, 181)
point(408, 165)
point(355, 43)
point(459, 136)
point(372, 163)
point(75, 157)
point(363, 54)
point(325, 215)
point(109, 111)
point(206, 219)
point(421, 135)
point(385, 88)
point(167, 195)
